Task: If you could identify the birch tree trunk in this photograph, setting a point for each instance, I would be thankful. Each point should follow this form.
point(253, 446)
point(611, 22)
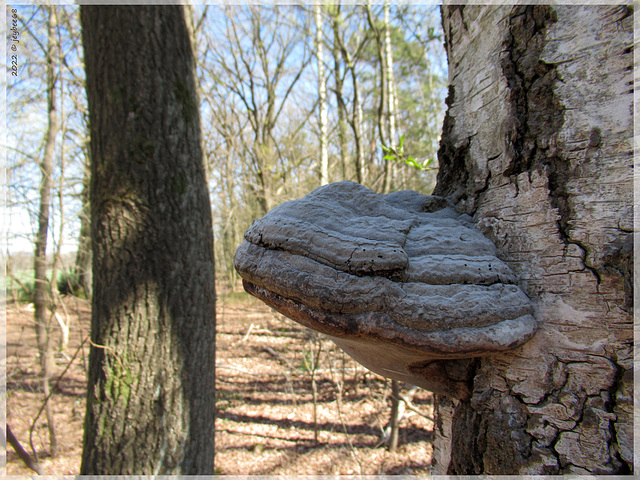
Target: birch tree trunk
point(391, 98)
point(537, 147)
point(322, 97)
point(358, 124)
point(151, 392)
point(339, 75)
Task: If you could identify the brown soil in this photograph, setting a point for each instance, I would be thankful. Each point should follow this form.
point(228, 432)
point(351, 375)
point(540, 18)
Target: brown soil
point(265, 423)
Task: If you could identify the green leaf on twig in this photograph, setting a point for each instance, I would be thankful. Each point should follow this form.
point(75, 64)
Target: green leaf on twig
point(397, 155)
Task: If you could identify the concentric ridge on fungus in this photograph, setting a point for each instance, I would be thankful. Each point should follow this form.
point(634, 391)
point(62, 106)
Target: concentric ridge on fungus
point(400, 281)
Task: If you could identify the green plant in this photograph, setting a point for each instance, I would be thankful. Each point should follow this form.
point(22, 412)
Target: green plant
point(69, 284)
point(397, 155)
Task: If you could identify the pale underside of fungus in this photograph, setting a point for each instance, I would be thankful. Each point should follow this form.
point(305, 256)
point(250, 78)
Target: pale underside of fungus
point(401, 282)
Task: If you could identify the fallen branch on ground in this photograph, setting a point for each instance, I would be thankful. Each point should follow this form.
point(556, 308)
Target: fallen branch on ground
point(23, 454)
point(270, 437)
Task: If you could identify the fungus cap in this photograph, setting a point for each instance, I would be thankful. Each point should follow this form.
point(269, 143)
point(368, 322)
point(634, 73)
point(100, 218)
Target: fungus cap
point(401, 282)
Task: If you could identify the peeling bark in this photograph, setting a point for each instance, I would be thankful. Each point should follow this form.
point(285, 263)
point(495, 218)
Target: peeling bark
point(537, 148)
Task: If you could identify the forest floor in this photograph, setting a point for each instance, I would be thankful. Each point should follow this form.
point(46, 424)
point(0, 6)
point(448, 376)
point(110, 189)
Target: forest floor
point(265, 423)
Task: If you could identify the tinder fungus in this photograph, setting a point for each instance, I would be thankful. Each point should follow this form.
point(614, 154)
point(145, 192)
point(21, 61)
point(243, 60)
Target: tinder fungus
point(401, 282)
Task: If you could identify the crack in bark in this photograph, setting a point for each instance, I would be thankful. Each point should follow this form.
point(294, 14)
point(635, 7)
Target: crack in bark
point(535, 107)
point(610, 404)
point(453, 174)
point(534, 104)
point(607, 396)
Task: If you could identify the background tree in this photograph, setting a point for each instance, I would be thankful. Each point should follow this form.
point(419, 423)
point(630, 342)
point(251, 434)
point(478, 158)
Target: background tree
point(27, 99)
point(343, 55)
point(537, 147)
point(83, 255)
point(42, 287)
point(322, 95)
point(46, 103)
point(153, 310)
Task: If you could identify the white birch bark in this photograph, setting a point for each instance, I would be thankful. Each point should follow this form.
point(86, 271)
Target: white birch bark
point(362, 171)
point(322, 94)
point(537, 147)
point(388, 65)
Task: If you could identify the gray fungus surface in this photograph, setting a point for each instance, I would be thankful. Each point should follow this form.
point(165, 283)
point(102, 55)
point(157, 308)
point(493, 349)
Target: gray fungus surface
point(400, 281)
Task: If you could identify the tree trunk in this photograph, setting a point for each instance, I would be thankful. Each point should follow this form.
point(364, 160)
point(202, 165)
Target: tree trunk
point(83, 256)
point(150, 401)
point(322, 97)
point(383, 102)
point(356, 121)
point(41, 295)
point(537, 147)
point(391, 98)
point(230, 236)
point(394, 420)
point(339, 78)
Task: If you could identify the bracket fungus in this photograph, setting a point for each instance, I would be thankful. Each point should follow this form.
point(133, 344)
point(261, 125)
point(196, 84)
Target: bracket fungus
point(401, 282)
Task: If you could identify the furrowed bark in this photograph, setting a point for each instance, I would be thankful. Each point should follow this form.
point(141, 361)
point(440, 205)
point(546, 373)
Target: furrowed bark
point(151, 393)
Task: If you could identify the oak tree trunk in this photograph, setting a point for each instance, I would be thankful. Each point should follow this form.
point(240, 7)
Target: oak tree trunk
point(537, 147)
point(150, 401)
